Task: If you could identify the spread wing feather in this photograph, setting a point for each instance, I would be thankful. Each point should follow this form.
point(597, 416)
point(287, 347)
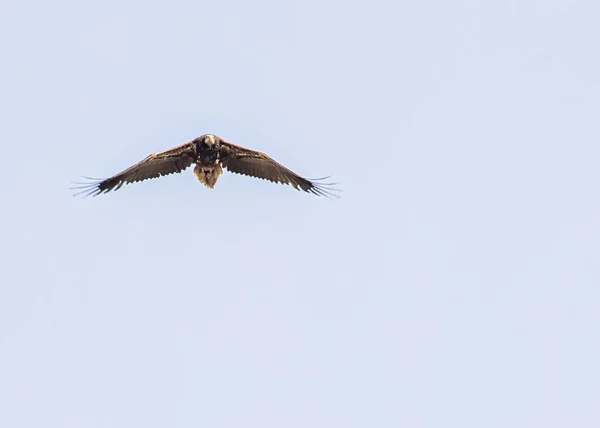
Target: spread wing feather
point(241, 160)
point(167, 162)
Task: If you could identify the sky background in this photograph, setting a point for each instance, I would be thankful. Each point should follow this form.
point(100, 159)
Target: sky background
point(455, 284)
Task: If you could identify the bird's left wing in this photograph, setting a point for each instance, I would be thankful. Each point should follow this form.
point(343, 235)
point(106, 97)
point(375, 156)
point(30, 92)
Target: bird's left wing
point(241, 160)
point(167, 162)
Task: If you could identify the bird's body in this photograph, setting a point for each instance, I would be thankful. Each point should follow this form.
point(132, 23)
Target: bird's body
point(210, 154)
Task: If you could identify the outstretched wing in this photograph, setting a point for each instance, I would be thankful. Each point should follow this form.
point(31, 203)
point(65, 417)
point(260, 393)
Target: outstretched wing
point(170, 161)
point(241, 160)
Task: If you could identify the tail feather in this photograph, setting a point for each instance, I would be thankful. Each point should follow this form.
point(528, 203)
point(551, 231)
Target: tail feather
point(208, 175)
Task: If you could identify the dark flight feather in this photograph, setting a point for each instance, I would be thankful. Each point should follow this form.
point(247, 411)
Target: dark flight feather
point(167, 162)
point(240, 160)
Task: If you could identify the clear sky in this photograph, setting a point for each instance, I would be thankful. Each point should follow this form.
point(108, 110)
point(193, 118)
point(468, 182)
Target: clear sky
point(455, 284)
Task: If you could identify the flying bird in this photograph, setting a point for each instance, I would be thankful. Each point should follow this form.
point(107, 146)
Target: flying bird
point(210, 154)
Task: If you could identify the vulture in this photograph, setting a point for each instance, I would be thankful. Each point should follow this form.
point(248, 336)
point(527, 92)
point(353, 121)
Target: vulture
point(210, 154)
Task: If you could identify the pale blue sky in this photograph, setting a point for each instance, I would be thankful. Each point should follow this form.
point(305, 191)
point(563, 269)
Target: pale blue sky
point(455, 284)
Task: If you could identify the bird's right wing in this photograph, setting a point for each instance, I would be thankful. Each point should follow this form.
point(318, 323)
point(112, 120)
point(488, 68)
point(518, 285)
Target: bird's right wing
point(170, 161)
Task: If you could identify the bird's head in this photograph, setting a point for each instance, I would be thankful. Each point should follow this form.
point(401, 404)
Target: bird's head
point(206, 141)
point(209, 139)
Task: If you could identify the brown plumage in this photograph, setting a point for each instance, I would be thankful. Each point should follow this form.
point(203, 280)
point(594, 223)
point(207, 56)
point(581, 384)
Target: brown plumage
point(211, 154)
